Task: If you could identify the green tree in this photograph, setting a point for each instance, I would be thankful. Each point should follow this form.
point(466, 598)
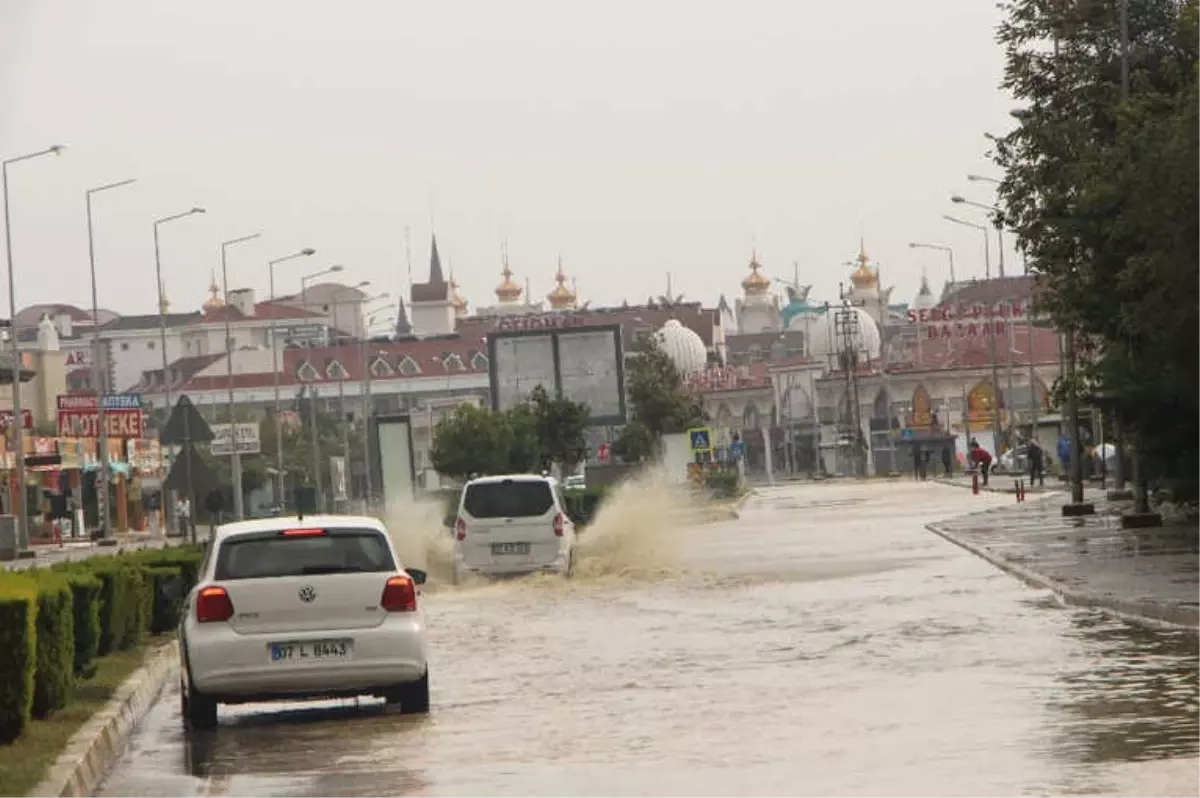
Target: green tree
point(658, 397)
point(635, 444)
point(1102, 193)
point(474, 440)
point(561, 427)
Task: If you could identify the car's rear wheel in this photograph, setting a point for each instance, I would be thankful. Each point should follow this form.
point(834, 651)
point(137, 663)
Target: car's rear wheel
point(198, 710)
point(413, 697)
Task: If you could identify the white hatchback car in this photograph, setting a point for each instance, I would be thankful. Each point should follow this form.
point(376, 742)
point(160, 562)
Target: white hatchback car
point(290, 608)
point(514, 524)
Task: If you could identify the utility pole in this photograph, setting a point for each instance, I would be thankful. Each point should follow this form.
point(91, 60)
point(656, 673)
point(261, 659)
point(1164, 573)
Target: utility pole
point(845, 321)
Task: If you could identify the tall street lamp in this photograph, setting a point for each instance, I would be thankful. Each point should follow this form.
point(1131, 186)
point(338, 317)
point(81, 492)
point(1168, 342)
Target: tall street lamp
point(365, 390)
point(238, 502)
point(983, 179)
point(18, 426)
point(997, 222)
point(162, 305)
point(941, 248)
point(342, 374)
point(279, 480)
point(312, 394)
point(987, 242)
point(100, 384)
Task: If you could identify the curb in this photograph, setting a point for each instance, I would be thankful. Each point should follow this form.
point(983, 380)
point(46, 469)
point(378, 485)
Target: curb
point(1046, 491)
point(1153, 614)
point(95, 748)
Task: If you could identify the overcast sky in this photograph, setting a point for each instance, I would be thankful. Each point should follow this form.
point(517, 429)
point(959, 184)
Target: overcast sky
point(634, 138)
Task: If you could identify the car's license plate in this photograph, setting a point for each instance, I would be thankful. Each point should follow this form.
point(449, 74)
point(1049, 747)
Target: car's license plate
point(510, 548)
point(311, 651)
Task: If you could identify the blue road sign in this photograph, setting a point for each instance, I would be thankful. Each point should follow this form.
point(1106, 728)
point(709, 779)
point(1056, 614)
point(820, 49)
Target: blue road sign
point(701, 438)
point(906, 434)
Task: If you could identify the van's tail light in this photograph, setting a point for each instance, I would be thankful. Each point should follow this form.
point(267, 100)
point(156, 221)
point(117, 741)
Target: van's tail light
point(213, 605)
point(559, 524)
point(460, 529)
point(399, 595)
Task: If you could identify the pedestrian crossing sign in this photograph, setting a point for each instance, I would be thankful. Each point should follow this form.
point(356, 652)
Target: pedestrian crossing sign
point(701, 438)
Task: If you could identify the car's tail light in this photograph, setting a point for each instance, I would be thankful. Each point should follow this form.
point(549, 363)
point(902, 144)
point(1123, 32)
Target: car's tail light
point(213, 605)
point(559, 523)
point(399, 595)
point(460, 529)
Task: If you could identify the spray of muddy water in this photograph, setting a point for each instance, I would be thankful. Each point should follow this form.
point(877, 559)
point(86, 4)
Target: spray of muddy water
point(634, 535)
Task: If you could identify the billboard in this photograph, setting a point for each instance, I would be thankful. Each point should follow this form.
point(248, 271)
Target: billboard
point(392, 463)
point(230, 437)
point(585, 364)
point(79, 416)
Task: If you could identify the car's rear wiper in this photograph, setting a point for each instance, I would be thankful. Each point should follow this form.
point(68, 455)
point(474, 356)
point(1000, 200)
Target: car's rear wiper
point(309, 570)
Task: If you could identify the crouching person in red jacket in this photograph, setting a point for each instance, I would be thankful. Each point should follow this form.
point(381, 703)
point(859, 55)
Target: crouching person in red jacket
point(981, 458)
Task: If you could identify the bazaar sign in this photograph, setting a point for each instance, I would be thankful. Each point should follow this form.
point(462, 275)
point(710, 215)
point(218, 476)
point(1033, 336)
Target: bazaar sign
point(970, 320)
point(79, 416)
point(552, 321)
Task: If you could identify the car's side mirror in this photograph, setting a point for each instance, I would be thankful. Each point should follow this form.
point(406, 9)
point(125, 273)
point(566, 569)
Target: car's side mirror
point(418, 576)
point(449, 521)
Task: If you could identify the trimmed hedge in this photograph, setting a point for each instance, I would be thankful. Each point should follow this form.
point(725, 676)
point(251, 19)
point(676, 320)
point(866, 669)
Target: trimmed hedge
point(55, 622)
point(54, 671)
point(18, 646)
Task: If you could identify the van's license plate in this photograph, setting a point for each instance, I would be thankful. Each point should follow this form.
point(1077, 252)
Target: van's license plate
point(510, 548)
point(311, 651)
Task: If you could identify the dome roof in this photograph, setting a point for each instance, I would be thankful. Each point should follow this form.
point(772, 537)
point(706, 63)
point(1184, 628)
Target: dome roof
point(507, 291)
point(683, 346)
point(827, 334)
point(864, 276)
point(756, 283)
point(561, 297)
point(924, 300)
point(214, 300)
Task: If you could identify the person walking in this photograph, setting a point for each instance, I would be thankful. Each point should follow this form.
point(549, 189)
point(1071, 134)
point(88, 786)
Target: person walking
point(1037, 463)
point(947, 461)
point(183, 514)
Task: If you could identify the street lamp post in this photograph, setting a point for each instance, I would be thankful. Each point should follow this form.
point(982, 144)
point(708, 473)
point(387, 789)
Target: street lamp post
point(987, 242)
point(342, 376)
point(279, 478)
point(312, 394)
point(99, 383)
point(365, 391)
point(941, 248)
point(18, 426)
point(997, 222)
point(238, 501)
point(162, 306)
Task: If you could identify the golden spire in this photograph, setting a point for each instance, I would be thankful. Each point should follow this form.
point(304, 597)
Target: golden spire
point(757, 283)
point(460, 304)
point(163, 303)
point(214, 300)
point(507, 291)
point(562, 297)
point(864, 276)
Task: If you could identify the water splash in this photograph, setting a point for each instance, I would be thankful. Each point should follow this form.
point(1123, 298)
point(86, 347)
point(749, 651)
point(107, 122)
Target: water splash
point(420, 539)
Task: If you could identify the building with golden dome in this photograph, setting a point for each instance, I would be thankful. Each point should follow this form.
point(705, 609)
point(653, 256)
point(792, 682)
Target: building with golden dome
point(214, 300)
point(758, 309)
point(509, 295)
point(461, 308)
point(562, 297)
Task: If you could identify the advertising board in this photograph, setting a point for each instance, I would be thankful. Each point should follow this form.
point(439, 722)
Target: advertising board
point(582, 363)
point(230, 437)
point(79, 416)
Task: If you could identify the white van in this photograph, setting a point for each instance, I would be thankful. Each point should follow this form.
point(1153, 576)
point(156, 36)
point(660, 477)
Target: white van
point(514, 524)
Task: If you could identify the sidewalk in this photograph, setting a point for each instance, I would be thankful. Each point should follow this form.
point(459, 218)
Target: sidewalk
point(74, 549)
point(1149, 574)
point(1003, 483)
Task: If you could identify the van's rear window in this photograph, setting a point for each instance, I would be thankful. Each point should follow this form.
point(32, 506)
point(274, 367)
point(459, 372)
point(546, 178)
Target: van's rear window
point(272, 554)
point(515, 499)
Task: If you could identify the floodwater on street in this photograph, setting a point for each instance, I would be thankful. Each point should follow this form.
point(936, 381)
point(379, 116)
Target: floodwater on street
point(823, 644)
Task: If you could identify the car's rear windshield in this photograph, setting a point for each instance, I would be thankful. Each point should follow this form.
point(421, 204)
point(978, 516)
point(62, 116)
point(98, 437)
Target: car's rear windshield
point(272, 554)
point(515, 498)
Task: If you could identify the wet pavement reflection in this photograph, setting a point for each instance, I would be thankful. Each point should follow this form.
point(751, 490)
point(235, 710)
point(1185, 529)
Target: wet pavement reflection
point(825, 643)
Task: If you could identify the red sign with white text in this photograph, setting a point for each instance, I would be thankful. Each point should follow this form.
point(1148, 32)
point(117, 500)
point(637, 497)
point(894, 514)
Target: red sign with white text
point(6, 419)
point(86, 423)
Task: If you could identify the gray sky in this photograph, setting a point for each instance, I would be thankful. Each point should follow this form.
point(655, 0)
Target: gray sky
point(634, 138)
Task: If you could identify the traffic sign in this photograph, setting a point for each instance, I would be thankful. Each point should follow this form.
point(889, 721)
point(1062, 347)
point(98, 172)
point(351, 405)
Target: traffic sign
point(185, 424)
point(701, 438)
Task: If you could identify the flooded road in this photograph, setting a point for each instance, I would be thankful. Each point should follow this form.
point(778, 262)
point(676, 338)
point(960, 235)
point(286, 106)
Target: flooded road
point(823, 644)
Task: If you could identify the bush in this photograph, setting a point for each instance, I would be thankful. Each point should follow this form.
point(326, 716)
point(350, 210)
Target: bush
point(724, 484)
point(85, 601)
point(171, 573)
point(18, 633)
point(121, 588)
point(55, 645)
point(582, 505)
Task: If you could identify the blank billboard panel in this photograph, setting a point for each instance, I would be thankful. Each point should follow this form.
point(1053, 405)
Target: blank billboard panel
point(583, 364)
point(590, 370)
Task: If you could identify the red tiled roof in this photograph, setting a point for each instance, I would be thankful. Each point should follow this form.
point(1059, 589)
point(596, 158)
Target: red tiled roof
point(940, 354)
point(262, 310)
